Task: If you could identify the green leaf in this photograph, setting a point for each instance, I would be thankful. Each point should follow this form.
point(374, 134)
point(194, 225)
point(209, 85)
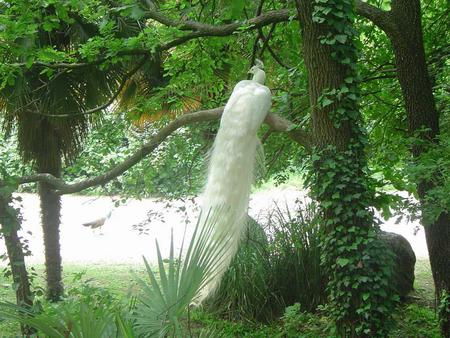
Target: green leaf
point(237, 8)
point(137, 13)
point(326, 102)
point(342, 261)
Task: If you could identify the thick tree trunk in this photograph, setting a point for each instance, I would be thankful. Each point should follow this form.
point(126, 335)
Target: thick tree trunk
point(10, 224)
point(50, 219)
point(323, 73)
point(403, 26)
point(340, 181)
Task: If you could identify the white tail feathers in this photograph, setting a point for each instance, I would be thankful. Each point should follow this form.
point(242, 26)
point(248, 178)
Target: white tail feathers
point(231, 168)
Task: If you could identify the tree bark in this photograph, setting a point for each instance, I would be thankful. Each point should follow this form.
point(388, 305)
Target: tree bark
point(423, 119)
point(344, 198)
point(323, 73)
point(9, 229)
point(50, 219)
point(403, 26)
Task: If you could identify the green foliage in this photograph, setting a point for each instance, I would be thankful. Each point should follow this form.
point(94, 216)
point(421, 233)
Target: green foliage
point(270, 273)
point(246, 290)
point(432, 165)
point(94, 282)
point(86, 311)
point(415, 321)
point(176, 168)
point(226, 328)
point(444, 310)
point(297, 323)
point(78, 321)
point(358, 266)
point(11, 163)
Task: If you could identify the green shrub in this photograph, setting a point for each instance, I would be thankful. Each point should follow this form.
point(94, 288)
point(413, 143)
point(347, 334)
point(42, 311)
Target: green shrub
point(246, 292)
point(228, 329)
point(276, 270)
point(294, 239)
point(297, 323)
point(70, 319)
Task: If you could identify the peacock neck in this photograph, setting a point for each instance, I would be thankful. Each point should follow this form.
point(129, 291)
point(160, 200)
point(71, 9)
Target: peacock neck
point(259, 76)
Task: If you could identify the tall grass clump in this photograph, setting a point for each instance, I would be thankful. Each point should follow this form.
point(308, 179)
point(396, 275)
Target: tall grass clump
point(294, 237)
point(277, 265)
point(246, 292)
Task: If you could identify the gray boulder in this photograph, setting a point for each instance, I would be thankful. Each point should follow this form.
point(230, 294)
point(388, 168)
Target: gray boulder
point(405, 260)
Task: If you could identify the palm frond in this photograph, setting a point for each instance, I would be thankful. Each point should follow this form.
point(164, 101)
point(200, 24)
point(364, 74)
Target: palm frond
point(174, 287)
point(48, 111)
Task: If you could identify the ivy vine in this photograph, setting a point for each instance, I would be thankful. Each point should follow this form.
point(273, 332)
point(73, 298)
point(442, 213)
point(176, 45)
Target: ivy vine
point(359, 265)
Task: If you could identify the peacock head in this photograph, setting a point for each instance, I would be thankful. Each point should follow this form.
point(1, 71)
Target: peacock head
point(258, 74)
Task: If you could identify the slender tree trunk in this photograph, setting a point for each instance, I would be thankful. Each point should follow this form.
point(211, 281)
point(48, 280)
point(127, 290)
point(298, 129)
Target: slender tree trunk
point(403, 26)
point(50, 219)
point(423, 119)
point(339, 177)
point(9, 226)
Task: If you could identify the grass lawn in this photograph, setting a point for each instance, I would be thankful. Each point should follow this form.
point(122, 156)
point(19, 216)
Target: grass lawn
point(414, 319)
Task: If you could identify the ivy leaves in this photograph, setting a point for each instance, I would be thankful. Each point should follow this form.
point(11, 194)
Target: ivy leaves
point(359, 266)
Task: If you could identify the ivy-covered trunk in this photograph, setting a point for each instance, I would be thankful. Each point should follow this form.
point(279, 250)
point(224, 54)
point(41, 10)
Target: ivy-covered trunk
point(423, 119)
point(9, 226)
point(357, 264)
point(50, 219)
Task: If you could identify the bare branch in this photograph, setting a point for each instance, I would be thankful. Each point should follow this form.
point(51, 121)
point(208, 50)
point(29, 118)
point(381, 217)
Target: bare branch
point(204, 30)
point(76, 65)
point(276, 123)
point(55, 65)
point(282, 125)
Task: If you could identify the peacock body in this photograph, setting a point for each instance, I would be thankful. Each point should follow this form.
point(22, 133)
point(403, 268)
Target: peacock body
point(232, 165)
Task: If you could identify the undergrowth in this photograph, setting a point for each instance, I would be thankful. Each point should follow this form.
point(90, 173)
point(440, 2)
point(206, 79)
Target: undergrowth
point(415, 319)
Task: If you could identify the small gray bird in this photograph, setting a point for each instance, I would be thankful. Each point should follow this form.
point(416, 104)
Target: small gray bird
point(98, 222)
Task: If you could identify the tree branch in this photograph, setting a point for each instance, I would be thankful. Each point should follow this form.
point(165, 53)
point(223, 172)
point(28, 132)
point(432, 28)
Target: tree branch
point(197, 30)
point(275, 122)
point(221, 30)
point(379, 17)
point(204, 30)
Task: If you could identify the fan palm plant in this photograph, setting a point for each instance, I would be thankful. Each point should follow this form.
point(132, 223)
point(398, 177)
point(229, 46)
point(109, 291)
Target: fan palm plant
point(166, 299)
point(47, 113)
